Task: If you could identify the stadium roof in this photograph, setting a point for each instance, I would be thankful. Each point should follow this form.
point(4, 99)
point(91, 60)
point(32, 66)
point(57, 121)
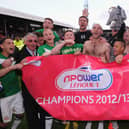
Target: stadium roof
point(14, 13)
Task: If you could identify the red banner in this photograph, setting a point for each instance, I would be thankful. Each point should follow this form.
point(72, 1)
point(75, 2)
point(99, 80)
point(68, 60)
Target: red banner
point(81, 87)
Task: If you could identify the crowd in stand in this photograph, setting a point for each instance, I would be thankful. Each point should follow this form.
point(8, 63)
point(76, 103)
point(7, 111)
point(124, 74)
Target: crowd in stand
point(14, 100)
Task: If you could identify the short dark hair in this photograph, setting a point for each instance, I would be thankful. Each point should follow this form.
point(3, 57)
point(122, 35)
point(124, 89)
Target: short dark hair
point(122, 42)
point(39, 34)
point(2, 40)
point(84, 17)
point(68, 31)
point(49, 19)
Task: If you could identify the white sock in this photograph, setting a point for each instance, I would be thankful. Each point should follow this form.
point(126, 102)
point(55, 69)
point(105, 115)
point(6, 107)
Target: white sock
point(100, 126)
point(88, 125)
point(48, 122)
point(16, 123)
point(115, 125)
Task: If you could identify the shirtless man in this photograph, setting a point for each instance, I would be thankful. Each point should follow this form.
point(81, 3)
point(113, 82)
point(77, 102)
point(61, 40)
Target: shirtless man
point(97, 46)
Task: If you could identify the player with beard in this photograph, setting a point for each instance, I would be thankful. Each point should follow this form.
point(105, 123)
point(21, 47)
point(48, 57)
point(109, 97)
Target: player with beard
point(83, 34)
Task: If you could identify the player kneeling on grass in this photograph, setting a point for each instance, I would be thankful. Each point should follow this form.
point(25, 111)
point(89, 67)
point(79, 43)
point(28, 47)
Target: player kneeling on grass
point(11, 101)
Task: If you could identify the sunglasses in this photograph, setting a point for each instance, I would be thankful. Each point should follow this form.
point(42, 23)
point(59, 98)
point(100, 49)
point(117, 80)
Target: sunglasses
point(32, 41)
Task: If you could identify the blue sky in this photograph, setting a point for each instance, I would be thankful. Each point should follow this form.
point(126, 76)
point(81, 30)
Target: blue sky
point(67, 11)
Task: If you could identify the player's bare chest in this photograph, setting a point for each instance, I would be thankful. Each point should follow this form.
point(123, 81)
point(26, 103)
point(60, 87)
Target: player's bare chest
point(96, 49)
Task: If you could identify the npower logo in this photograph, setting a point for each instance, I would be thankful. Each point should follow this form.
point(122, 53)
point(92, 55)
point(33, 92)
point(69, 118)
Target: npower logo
point(84, 78)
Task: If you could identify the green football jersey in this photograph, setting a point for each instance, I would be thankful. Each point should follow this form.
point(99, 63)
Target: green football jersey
point(44, 48)
point(71, 49)
point(9, 82)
